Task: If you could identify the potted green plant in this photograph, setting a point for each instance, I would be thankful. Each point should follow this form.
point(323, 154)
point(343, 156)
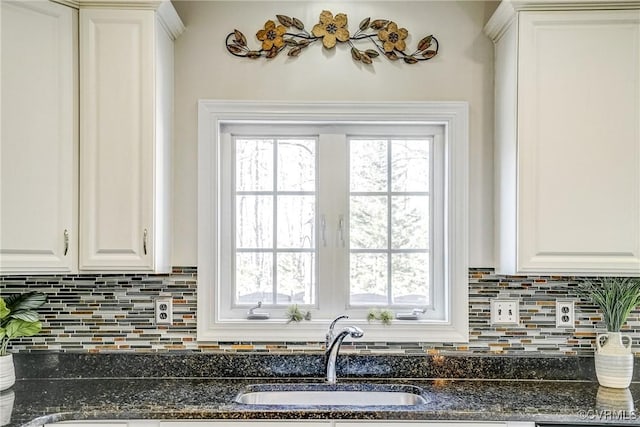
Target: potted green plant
point(616, 297)
point(18, 318)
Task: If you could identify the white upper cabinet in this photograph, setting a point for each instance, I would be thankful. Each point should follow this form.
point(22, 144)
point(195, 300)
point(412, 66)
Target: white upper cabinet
point(86, 187)
point(567, 139)
point(126, 101)
point(39, 145)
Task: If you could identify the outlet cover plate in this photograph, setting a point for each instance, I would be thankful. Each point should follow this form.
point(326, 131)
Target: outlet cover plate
point(164, 311)
point(505, 311)
point(565, 314)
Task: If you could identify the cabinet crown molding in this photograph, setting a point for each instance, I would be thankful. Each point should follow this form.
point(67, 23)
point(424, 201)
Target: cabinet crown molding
point(508, 9)
point(167, 14)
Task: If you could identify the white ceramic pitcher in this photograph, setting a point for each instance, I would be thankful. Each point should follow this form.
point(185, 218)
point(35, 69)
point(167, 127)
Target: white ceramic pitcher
point(614, 360)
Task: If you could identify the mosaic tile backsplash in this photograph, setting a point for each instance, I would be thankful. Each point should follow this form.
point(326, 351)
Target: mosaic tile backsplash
point(115, 313)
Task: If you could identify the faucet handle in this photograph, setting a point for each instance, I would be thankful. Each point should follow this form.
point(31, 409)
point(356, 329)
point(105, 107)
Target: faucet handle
point(329, 336)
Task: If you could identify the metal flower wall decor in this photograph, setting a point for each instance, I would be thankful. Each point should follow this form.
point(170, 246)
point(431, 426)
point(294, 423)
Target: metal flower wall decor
point(385, 36)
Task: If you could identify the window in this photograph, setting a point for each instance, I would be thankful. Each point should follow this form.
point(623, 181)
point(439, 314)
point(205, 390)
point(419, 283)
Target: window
point(337, 208)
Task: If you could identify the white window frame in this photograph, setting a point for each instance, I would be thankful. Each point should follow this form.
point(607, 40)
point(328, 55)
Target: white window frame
point(213, 115)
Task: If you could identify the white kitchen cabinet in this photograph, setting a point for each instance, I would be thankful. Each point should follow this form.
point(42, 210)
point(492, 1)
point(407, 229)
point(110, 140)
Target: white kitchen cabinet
point(39, 145)
point(86, 187)
point(567, 139)
point(126, 101)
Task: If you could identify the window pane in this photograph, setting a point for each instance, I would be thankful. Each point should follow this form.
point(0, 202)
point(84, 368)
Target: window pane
point(368, 279)
point(296, 278)
point(254, 164)
point(296, 221)
point(410, 165)
point(410, 278)
point(368, 165)
point(410, 222)
point(296, 165)
point(254, 277)
point(254, 221)
point(368, 222)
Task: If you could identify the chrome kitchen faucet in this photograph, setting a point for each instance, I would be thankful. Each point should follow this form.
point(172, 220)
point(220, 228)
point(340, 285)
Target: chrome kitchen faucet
point(333, 342)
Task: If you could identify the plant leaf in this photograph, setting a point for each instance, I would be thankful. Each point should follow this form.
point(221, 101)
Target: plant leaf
point(253, 54)
point(4, 311)
point(364, 24)
point(371, 53)
point(285, 20)
point(298, 24)
point(365, 58)
point(3, 333)
point(425, 43)
point(26, 301)
point(240, 38)
point(19, 328)
point(26, 315)
point(429, 54)
point(291, 42)
point(410, 60)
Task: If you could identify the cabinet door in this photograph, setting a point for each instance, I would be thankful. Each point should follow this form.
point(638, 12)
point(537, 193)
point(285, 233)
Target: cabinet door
point(117, 139)
point(579, 142)
point(38, 149)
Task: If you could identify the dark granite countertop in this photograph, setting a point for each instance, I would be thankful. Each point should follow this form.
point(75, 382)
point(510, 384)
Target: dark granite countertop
point(57, 387)
point(50, 400)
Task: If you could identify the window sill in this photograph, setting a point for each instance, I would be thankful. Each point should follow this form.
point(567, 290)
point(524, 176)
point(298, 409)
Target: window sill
point(314, 331)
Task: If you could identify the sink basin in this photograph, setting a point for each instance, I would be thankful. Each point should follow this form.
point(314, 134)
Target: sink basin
point(331, 395)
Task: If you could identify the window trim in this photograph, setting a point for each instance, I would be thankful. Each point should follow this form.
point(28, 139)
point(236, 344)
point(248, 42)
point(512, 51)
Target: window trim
point(213, 114)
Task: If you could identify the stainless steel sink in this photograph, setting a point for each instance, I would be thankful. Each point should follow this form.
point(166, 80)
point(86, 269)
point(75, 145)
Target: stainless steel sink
point(330, 395)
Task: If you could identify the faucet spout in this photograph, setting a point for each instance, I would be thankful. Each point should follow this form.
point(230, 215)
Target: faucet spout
point(333, 347)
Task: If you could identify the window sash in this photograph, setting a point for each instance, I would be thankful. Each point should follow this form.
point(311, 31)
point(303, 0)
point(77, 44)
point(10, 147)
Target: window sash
point(332, 271)
point(274, 250)
point(432, 139)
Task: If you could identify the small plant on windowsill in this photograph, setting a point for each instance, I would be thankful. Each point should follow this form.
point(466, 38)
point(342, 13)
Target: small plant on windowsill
point(384, 316)
point(294, 314)
point(18, 318)
point(616, 297)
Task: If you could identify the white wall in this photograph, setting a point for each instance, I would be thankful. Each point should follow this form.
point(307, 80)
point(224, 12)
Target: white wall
point(463, 71)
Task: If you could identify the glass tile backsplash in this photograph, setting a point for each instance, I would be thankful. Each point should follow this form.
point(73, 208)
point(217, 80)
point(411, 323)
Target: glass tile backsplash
point(115, 313)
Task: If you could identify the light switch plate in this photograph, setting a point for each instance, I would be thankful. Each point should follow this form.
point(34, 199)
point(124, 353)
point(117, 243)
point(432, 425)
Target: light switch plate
point(505, 311)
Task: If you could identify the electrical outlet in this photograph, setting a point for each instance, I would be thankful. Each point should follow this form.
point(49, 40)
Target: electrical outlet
point(505, 312)
point(565, 314)
point(164, 311)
